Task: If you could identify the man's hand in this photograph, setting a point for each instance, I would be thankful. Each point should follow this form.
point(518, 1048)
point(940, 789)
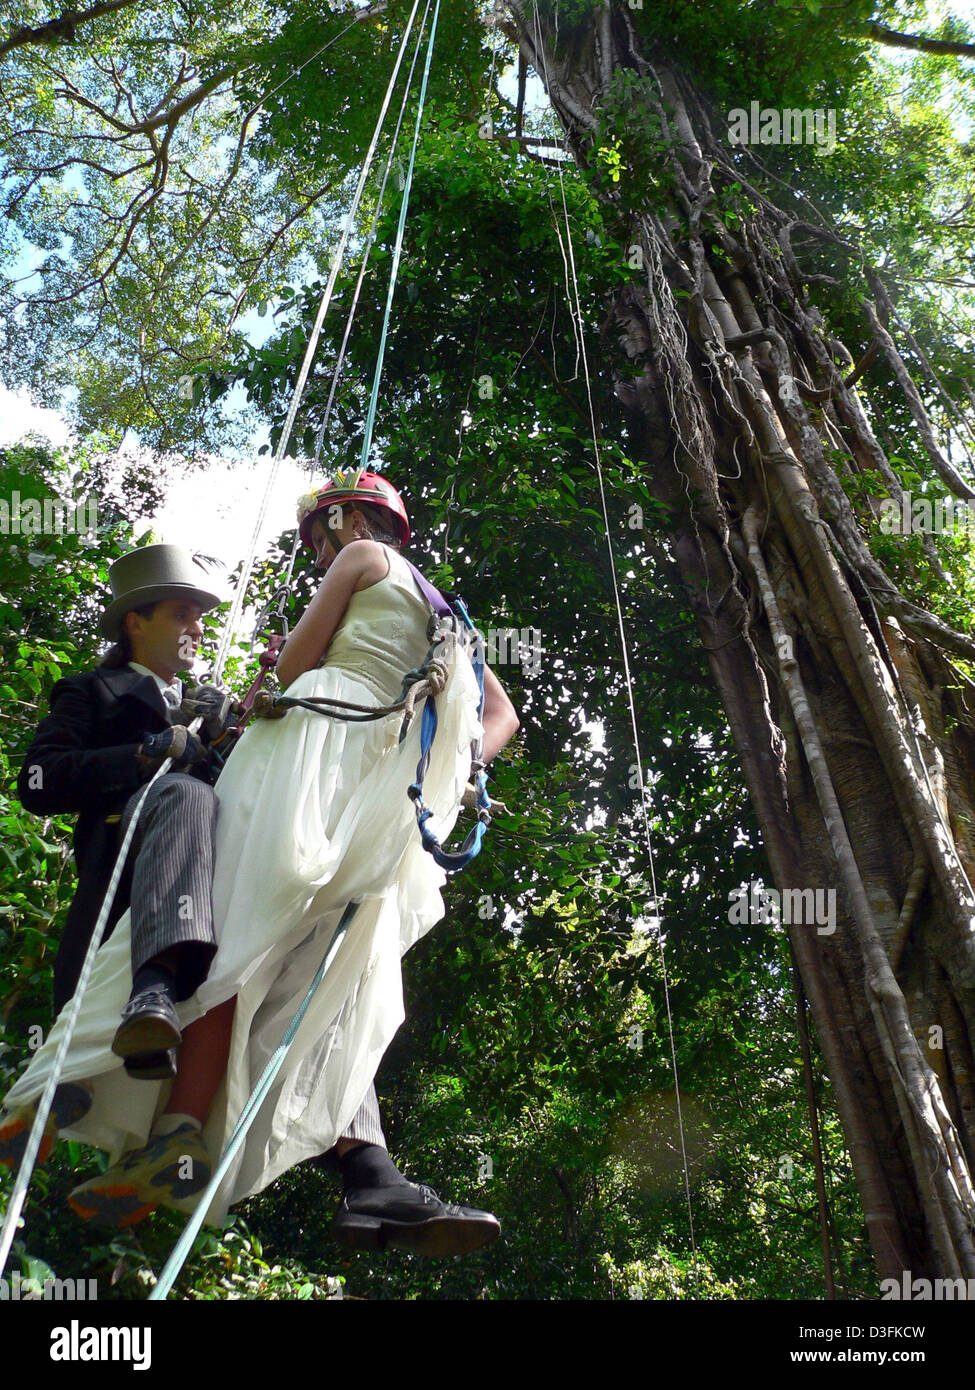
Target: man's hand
point(176, 741)
point(217, 708)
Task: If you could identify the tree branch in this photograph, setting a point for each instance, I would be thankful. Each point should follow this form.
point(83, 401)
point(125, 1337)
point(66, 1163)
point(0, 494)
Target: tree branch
point(63, 27)
point(164, 118)
point(919, 42)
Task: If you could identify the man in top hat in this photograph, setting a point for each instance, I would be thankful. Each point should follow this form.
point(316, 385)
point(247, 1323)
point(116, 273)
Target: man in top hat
point(107, 733)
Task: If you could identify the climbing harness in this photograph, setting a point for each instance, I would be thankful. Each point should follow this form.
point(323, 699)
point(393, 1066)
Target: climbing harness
point(461, 627)
point(447, 632)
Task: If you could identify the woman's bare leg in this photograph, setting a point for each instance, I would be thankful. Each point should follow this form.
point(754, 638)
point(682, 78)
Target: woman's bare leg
point(202, 1062)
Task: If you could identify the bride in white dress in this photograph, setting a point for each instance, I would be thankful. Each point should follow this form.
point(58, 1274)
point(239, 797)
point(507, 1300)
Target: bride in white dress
point(313, 813)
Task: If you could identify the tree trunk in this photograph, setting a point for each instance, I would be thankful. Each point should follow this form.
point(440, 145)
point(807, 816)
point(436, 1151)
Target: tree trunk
point(850, 721)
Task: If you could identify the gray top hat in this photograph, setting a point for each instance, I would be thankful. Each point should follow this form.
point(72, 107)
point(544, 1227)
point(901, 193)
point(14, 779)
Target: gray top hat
point(145, 576)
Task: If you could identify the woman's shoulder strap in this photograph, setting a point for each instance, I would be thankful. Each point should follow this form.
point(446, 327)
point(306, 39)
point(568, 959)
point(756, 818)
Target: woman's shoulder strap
point(432, 595)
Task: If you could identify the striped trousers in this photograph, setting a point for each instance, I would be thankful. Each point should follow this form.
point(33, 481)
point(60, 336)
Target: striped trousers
point(172, 901)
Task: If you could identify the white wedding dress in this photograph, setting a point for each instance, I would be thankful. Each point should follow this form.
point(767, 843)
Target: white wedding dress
point(313, 812)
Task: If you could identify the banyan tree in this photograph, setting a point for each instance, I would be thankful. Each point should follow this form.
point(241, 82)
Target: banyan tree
point(850, 702)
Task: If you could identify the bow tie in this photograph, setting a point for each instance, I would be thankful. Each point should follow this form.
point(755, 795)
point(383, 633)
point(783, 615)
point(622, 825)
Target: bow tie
point(172, 699)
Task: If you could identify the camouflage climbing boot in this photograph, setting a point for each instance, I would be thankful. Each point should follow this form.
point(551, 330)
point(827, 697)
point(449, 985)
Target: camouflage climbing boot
point(167, 1170)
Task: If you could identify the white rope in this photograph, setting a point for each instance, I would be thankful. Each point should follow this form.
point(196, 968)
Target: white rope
point(575, 308)
point(370, 240)
point(238, 601)
point(285, 585)
point(253, 1104)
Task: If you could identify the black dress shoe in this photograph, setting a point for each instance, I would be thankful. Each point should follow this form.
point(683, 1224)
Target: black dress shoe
point(410, 1216)
point(149, 1024)
point(152, 1066)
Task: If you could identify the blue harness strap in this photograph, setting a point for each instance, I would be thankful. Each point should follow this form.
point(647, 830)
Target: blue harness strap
point(450, 862)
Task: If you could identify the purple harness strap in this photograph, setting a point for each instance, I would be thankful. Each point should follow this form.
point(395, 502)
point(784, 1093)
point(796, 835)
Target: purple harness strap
point(433, 596)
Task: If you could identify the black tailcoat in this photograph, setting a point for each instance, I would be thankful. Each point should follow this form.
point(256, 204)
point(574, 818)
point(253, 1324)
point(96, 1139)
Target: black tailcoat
point(83, 761)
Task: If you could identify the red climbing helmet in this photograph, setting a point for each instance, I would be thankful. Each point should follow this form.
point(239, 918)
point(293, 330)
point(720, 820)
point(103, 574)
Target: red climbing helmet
point(355, 485)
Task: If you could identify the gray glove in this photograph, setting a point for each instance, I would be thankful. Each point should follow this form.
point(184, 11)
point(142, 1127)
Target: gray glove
point(216, 707)
point(176, 742)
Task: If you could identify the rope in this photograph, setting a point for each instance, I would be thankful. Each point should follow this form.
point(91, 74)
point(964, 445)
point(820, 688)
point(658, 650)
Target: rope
point(370, 241)
point(264, 709)
point(285, 587)
point(576, 312)
point(453, 862)
point(238, 601)
point(822, 1198)
point(429, 679)
point(371, 416)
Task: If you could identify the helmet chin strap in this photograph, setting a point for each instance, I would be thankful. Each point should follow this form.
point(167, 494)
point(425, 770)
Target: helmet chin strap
point(338, 544)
